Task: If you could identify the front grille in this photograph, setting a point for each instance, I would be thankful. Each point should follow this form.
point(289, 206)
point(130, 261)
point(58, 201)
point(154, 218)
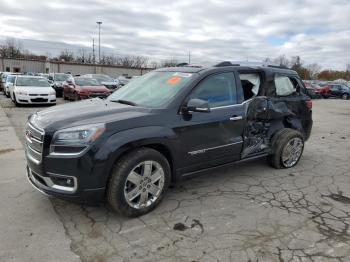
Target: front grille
point(38, 94)
point(38, 100)
point(34, 143)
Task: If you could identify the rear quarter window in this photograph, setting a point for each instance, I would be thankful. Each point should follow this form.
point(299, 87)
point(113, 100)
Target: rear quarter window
point(287, 86)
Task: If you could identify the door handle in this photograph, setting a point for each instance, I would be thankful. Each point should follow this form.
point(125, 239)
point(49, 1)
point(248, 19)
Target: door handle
point(235, 118)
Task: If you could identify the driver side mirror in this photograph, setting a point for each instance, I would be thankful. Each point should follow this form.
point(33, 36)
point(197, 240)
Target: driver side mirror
point(197, 105)
point(69, 81)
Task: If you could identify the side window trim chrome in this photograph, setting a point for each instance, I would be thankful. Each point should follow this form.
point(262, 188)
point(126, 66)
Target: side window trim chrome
point(233, 105)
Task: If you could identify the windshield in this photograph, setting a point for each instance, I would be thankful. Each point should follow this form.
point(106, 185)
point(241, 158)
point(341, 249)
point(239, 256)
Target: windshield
point(86, 82)
point(61, 77)
point(103, 78)
point(32, 81)
point(154, 89)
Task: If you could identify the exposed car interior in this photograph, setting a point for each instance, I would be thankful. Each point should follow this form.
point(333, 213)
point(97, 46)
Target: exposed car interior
point(250, 85)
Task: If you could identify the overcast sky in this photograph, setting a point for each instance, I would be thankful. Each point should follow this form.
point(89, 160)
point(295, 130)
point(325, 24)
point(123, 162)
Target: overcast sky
point(317, 30)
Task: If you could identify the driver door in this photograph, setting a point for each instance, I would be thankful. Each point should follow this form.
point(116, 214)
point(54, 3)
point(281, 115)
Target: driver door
point(214, 138)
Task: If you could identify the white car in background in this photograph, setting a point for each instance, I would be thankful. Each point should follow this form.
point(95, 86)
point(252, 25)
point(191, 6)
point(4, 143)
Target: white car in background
point(32, 90)
point(9, 79)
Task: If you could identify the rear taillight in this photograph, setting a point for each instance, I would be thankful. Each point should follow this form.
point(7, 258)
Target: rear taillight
point(309, 104)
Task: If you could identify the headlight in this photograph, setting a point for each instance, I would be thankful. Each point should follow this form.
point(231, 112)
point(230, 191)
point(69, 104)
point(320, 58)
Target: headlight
point(21, 93)
point(53, 92)
point(76, 139)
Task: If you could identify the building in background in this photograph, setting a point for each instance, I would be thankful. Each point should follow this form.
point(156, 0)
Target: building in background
point(40, 66)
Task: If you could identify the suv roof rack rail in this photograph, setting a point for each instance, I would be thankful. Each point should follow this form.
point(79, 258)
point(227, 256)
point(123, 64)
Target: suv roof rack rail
point(245, 63)
point(188, 65)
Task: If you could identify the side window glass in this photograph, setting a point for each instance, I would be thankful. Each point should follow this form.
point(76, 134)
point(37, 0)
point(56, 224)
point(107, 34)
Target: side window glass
point(250, 85)
point(218, 90)
point(284, 86)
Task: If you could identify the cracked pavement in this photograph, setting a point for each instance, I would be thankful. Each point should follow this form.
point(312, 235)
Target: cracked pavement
point(247, 212)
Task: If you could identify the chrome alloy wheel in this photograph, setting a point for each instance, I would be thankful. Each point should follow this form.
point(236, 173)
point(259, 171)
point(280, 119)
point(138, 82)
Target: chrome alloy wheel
point(144, 184)
point(292, 151)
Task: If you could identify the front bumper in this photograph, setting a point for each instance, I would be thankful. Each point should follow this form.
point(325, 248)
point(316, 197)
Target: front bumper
point(79, 177)
point(94, 95)
point(37, 99)
point(46, 186)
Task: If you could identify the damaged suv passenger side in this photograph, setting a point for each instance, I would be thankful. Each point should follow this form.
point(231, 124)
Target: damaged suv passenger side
point(166, 125)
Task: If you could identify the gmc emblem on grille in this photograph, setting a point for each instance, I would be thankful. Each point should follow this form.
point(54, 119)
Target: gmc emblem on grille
point(29, 135)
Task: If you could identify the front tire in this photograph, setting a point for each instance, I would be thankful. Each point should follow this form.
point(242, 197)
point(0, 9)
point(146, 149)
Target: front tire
point(138, 182)
point(345, 96)
point(76, 97)
point(15, 101)
point(287, 148)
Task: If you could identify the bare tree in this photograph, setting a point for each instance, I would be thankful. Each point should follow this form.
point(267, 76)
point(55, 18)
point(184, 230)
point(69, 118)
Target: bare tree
point(12, 48)
point(67, 56)
point(169, 62)
point(81, 57)
point(154, 64)
point(140, 61)
point(281, 60)
point(314, 69)
point(267, 60)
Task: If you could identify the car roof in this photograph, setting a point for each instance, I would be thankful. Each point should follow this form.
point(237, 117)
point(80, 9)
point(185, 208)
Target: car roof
point(198, 69)
point(26, 76)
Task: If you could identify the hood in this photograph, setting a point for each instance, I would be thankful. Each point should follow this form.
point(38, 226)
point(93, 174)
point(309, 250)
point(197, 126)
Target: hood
point(94, 89)
point(89, 111)
point(35, 89)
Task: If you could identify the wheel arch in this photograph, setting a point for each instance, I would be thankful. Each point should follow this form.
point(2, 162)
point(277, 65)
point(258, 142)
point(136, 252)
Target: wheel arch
point(138, 138)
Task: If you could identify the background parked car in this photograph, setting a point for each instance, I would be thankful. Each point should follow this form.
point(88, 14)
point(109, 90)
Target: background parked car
point(338, 90)
point(323, 89)
point(3, 76)
point(9, 80)
point(83, 88)
point(105, 80)
point(57, 80)
point(123, 80)
point(32, 90)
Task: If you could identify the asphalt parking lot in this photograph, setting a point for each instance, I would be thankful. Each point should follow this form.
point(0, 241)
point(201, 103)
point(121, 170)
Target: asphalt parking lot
point(248, 212)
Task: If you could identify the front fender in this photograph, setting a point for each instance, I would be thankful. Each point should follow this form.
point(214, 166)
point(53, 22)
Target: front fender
point(120, 142)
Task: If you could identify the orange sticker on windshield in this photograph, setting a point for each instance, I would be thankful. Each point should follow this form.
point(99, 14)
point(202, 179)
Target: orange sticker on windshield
point(174, 80)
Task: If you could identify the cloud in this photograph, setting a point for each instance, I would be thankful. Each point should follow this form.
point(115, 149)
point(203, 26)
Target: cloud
point(318, 31)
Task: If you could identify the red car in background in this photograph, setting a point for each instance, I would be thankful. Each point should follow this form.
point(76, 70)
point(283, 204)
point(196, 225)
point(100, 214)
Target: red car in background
point(83, 88)
point(323, 90)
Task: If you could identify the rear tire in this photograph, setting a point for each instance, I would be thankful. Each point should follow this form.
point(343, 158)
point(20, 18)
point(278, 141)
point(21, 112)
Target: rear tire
point(133, 189)
point(287, 147)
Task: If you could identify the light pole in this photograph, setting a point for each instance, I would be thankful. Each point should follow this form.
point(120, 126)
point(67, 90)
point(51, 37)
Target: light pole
point(99, 42)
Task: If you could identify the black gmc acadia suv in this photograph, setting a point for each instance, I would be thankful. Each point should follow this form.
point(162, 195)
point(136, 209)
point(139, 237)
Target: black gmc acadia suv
point(163, 126)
